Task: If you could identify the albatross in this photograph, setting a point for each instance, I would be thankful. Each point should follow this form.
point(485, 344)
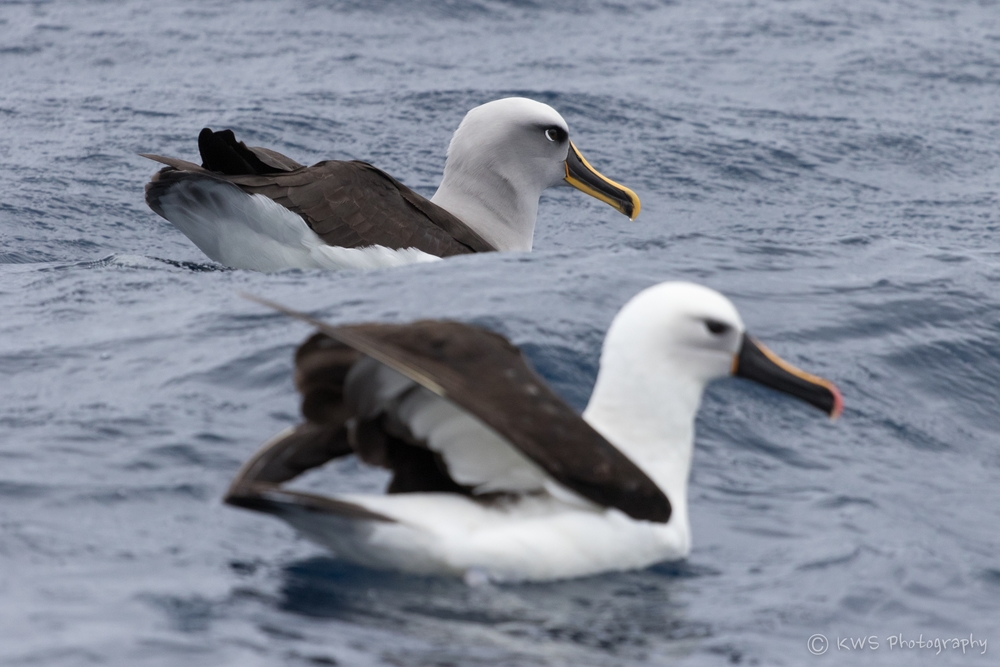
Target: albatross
point(253, 208)
point(492, 473)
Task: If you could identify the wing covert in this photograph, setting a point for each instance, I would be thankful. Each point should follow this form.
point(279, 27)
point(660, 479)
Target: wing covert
point(484, 374)
point(353, 204)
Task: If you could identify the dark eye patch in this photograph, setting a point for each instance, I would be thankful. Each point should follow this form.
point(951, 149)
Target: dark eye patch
point(716, 327)
point(555, 134)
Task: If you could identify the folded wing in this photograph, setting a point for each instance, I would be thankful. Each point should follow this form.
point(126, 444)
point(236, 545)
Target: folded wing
point(453, 407)
point(347, 204)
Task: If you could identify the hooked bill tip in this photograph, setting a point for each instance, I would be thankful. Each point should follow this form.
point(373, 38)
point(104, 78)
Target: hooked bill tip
point(838, 402)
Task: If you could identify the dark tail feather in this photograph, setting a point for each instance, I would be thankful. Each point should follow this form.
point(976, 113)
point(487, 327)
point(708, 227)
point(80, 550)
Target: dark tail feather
point(221, 152)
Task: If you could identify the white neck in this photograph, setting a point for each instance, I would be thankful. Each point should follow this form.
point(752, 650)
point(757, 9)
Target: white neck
point(499, 209)
point(649, 416)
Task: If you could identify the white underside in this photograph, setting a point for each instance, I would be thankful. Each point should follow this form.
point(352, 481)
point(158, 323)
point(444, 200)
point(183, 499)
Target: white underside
point(532, 538)
point(540, 530)
point(253, 232)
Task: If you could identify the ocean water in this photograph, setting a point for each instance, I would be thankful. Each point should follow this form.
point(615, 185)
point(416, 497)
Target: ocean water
point(832, 167)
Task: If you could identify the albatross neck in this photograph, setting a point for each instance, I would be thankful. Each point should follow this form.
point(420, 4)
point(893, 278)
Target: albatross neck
point(648, 416)
point(499, 209)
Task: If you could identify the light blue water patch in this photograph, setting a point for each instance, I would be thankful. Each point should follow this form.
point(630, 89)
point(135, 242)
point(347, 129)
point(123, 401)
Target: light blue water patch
point(832, 167)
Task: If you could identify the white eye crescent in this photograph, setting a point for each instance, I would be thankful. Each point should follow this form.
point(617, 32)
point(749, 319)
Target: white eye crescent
point(552, 135)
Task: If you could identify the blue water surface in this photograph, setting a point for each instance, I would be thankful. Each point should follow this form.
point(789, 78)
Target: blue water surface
point(831, 166)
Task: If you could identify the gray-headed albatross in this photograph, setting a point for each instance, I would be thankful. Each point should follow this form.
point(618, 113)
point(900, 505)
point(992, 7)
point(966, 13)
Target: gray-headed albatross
point(253, 208)
point(493, 474)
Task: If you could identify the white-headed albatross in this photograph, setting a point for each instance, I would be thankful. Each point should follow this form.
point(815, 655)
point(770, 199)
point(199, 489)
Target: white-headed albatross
point(492, 472)
point(253, 208)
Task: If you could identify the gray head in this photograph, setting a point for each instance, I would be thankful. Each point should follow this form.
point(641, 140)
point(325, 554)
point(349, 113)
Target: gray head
point(501, 158)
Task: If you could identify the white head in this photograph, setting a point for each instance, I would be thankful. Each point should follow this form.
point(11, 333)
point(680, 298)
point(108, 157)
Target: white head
point(662, 348)
point(520, 139)
point(501, 158)
point(688, 328)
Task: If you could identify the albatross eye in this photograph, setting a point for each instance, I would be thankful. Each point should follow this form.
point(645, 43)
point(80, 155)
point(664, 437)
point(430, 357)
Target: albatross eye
point(555, 134)
point(716, 327)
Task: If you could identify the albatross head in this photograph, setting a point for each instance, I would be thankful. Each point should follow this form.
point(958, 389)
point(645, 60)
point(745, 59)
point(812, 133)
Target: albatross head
point(679, 336)
point(662, 349)
point(501, 158)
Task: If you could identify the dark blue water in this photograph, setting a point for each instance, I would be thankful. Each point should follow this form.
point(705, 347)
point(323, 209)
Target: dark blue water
point(832, 167)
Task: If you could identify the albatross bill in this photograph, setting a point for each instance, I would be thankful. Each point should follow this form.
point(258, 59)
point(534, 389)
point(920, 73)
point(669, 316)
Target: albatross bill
point(491, 471)
point(585, 178)
point(253, 208)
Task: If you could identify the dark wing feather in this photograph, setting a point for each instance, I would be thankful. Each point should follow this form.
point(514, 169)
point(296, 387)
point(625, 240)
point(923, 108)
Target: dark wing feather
point(348, 204)
point(321, 438)
point(353, 204)
point(256, 485)
point(321, 366)
point(440, 217)
point(484, 374)
point(275, 160)
point(221, 152)
point(331, 431)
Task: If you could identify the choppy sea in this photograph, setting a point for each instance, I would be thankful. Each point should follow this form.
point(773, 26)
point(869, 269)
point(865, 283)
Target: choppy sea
point(831, 166)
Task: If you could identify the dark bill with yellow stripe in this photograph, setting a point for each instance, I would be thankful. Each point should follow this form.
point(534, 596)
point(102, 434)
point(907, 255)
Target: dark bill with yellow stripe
point(756, 362)
point(583, 177)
